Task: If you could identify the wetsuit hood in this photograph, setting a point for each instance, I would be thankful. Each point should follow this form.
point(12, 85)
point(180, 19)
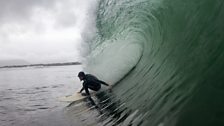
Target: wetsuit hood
point(81, 76)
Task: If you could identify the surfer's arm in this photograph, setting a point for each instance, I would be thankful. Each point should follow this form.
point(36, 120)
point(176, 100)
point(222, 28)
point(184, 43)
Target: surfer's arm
point(86, 89)
point(81, 90)
point(102, 82)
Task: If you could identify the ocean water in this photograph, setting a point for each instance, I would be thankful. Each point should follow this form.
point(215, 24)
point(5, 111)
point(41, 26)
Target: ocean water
point(29, 96)
point(165, 60)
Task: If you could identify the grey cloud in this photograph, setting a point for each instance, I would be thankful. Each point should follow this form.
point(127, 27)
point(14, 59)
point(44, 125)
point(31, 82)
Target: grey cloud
point(20, 10)
point(66, 19)
point(44, 27)
point(70, 12)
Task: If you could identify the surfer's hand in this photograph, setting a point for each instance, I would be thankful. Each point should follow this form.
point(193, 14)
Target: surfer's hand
point(110, 88)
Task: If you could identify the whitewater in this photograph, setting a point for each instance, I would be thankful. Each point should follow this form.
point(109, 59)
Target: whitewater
point(164, 59)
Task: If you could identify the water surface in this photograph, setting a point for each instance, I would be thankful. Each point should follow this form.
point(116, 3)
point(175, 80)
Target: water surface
point(28, 96)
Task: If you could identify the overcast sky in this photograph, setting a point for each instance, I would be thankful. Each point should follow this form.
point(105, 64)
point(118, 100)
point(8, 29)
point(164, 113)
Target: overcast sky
point(43, 30)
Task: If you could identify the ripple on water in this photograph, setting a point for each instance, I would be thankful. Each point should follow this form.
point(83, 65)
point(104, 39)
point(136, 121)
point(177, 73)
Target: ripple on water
point(43, 87)
point(43, 108)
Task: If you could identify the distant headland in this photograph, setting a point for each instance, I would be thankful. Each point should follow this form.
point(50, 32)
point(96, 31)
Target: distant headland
point(42, 65)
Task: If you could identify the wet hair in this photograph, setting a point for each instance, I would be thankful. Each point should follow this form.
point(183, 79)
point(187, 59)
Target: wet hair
point(81, 74)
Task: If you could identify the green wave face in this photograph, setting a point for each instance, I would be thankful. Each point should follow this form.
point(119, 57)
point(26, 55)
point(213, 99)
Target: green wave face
point(166, 58)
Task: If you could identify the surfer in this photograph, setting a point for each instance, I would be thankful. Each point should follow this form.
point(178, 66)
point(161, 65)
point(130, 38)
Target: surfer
point(90, 82)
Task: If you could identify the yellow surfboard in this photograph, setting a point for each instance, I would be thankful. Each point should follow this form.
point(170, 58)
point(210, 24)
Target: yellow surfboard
point(71, 98)
point(74, 97)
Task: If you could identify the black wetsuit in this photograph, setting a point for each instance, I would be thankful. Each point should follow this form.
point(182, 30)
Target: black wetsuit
point(92, 83)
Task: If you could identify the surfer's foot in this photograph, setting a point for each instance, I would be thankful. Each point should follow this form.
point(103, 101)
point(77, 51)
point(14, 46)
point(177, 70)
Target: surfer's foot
point(83, 94)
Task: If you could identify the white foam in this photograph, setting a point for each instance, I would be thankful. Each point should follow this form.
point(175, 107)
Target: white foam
point(112, 61)
point(89, 30)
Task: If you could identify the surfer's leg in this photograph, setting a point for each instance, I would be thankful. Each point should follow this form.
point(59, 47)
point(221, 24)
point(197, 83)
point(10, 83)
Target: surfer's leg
point(94, 104)
point(91, 101)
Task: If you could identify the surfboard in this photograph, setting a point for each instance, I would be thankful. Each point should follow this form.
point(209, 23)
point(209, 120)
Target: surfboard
point(74, 97)
point(71, 98)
